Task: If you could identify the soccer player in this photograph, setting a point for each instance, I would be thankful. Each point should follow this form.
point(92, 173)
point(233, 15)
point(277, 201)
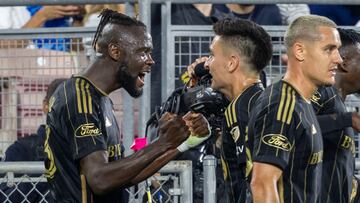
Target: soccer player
point(287, 142)
point(84, 156)
point(239, 52)
point(336, 123)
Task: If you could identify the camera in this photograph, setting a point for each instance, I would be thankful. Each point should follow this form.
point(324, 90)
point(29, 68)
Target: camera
point(201, 99)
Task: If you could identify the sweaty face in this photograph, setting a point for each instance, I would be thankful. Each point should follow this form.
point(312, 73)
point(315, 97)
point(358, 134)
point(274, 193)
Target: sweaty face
point(217, 65)
point(322, 57)
point(137, 62)
point(351, 67)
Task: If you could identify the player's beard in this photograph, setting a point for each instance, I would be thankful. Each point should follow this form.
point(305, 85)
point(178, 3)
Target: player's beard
point(128, 82)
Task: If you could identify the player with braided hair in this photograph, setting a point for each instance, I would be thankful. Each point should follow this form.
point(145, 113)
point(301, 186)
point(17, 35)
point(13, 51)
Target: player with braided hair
point(85, 160)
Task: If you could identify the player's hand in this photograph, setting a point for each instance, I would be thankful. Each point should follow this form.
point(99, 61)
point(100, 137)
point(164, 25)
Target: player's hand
point(199, 128)
point(191, 70)
point(355, 117)
point(172, 130)
point(197, 123)
point(54, 12)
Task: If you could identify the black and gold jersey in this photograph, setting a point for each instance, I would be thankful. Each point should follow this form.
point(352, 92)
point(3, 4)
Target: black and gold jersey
point(80, 121)
point(339, 147)
point(285, 133)
point(235, 154)
point(355, 190)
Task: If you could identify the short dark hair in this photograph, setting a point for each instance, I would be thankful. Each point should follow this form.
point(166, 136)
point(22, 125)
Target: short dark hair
point(52, 87)
point(250, 39)
point(349, 37)
point(109, 16)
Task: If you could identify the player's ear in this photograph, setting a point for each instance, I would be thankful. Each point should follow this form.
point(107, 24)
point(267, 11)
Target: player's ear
point(233, 62)
point(298, 49)
point(114, 51)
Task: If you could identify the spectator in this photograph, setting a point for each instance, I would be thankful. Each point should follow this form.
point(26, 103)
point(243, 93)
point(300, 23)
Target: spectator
point(55, 16)
point(92, 12)
point(42, 16)
point(30, 148)
point(260, 14)
point(340, 14)
point(290, 12)
point(13, 17)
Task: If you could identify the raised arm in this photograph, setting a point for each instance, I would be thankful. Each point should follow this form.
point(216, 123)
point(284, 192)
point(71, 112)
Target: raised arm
point(200, 131)
point(104, 177)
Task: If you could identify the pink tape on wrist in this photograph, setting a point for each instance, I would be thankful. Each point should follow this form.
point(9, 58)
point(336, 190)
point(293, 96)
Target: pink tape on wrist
point(138, 144)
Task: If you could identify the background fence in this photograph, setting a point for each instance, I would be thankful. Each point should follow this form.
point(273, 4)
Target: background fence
point(25, 182)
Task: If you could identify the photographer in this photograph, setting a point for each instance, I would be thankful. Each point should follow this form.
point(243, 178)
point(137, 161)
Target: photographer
point(196, 96)
point(239, 52)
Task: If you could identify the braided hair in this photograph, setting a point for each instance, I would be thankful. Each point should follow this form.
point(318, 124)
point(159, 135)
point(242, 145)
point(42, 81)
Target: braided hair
point(113, 17)
point(349, 37)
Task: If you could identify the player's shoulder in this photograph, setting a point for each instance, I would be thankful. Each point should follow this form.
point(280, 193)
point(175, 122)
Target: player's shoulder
point(279, 100)
point(275, 93)
point(81, 88)
point(248, 98)
point(80, 95)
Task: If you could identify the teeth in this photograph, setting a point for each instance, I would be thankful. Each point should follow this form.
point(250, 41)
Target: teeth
point(140, 79)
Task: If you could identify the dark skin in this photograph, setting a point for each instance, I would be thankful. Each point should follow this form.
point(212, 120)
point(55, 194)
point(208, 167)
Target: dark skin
point(347, 77)
point(134, 58)
point(197, 126)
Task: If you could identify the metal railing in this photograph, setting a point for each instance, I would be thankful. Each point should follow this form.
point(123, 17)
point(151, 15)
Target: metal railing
point(25, 182)
point(64, 2)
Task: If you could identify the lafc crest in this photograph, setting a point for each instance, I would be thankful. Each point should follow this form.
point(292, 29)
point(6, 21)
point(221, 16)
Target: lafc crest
point(315, 97)
point(235, 133)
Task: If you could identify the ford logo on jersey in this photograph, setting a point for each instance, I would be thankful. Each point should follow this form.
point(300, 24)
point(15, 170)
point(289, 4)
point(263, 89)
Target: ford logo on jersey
point(278, 141)
point(88, 129)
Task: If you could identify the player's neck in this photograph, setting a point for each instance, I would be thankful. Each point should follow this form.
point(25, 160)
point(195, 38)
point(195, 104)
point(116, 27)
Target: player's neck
point(302, 85)
point(240, 87)
point(96, 76)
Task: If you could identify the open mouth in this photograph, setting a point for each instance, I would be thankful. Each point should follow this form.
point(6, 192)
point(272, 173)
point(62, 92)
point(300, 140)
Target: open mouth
point(141, 78)
point(333, 72)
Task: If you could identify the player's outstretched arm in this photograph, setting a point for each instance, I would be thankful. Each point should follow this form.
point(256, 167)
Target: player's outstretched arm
point(264, 183)
point(104, 177)
point(355, 117)
point(200, 131)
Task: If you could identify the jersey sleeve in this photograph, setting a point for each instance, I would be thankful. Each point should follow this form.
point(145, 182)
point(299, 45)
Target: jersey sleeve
point(332, 122)
point(85, 127)
point(273, 131)
point(323, 102)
